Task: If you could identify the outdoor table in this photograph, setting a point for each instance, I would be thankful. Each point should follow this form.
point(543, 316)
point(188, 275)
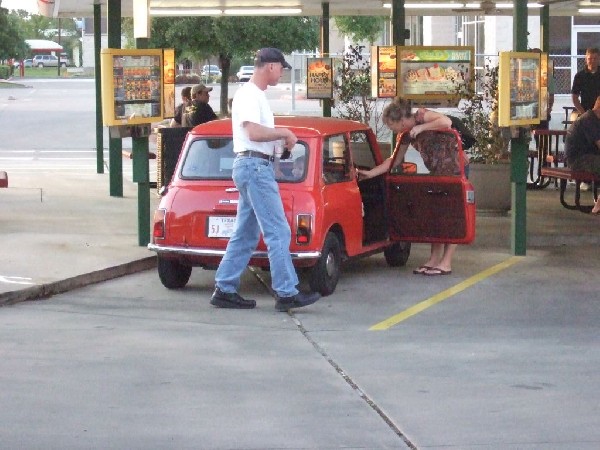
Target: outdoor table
point(568, 111)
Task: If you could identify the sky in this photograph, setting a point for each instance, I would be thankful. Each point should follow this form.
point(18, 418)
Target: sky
point(28, 5)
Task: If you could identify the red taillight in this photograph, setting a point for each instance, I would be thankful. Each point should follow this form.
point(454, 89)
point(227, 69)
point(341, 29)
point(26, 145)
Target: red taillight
point(303, 228)
point(158, 230)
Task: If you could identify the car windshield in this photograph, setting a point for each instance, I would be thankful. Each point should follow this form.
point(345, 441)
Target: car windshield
point(212, 159)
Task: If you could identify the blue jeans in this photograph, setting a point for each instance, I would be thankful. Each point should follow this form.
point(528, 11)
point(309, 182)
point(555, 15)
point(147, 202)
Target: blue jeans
point(259, 210)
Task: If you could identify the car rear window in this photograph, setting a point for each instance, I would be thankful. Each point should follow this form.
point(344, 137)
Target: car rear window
point(212, 159)
point(209, 159)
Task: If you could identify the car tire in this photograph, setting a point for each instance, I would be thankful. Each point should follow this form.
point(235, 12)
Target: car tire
point(397, 254)
point(325, 275)
point(63, 64)
point(173, 274)
point(40, 65)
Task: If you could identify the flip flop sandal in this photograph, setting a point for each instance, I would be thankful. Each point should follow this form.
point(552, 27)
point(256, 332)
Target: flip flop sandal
point(421, 270)
point(434, 272)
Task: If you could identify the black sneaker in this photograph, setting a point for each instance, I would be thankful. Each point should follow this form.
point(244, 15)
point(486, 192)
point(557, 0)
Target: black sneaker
point(296, 301)
point(222, 299)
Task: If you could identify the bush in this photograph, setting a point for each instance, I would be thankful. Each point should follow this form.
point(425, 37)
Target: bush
point(5, 72)
point(191, 78)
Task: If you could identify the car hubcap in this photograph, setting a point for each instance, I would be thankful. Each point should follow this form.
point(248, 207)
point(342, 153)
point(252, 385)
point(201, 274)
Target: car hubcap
point(330, 264)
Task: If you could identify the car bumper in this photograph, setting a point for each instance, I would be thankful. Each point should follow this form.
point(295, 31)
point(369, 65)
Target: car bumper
point(210, 253)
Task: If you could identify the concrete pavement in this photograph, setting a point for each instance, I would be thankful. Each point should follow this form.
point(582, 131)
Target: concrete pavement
point(504, 359)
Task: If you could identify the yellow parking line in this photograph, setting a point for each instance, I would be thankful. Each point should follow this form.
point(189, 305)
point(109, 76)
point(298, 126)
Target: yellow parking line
point(415, 309)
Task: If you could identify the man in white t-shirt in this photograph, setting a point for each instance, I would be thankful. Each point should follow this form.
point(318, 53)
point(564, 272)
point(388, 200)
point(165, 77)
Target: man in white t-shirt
point(260, 209)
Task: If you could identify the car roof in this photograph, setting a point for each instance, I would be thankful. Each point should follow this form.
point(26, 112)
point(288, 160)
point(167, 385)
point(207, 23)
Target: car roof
point(302, 126)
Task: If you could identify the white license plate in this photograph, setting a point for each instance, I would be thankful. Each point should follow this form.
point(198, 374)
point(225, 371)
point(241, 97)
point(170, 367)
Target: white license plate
point(220, 227)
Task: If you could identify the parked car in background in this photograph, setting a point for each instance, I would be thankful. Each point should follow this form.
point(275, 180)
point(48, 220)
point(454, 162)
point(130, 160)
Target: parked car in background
point(47, 61)
point(332, 215)
point(64, 60)
point(26, 63)
point(211, 70)
point(245, 73)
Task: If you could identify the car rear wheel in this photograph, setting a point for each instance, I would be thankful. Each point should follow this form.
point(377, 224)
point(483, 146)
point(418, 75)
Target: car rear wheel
point(397, 254)
point(325, 275)
point(173, 274)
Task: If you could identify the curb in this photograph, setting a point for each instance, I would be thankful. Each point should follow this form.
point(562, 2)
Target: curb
point(44, 291)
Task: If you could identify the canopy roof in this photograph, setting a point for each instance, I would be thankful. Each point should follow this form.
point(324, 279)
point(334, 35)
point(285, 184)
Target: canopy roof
point(84, 8)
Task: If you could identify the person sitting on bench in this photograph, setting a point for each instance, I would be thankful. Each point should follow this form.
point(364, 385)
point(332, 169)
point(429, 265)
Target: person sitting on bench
point(582, 144)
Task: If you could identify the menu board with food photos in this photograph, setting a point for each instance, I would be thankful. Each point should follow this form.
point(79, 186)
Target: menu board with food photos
point(519, 88)
point(383, 71)
point(434, 76)
point(319, 81)
point(132, 86)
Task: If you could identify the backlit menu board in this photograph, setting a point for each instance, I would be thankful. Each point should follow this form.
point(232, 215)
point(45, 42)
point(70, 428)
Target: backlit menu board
point(319, 80)
point(519, 86)
point(132, 86)
point(383, 71)
point(434, 75)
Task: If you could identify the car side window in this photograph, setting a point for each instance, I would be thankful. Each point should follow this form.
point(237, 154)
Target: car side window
point(362, 153)
point(209, 159)
point(336, 159)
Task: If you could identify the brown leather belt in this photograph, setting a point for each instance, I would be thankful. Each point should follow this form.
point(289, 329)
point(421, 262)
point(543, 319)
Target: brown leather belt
point(255, 154)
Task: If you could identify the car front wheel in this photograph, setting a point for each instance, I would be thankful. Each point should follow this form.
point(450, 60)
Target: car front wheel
point(325, 275)
point(63, 64)
point(397, 254)
point(40, 65)
point(173, 274)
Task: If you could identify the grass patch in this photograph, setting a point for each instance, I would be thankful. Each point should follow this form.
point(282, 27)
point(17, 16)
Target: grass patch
point(46, 72)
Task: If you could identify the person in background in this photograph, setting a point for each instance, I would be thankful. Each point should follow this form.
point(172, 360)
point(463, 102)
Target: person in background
point(586, 83)
point(186, 100)
point(298, 168)
point(440, 155)
point(582, 144)
point(260, 209)
point(596, 208)
point(199, 111)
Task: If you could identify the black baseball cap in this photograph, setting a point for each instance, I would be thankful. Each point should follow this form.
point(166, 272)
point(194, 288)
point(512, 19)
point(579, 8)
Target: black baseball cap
point(269, 54)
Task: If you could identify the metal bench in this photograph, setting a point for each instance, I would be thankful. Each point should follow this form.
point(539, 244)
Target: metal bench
point(565, 174)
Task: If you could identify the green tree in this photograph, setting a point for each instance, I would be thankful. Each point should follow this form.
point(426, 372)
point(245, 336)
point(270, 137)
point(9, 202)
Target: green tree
point(233, 37)
point(12, 43)
point(361, 28)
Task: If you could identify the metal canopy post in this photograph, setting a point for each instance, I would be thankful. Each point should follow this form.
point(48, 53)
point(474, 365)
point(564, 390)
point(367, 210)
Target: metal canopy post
point(398, 22)
point(115, 145)
point(519, 149)
point(325, 50)
point(98, 81)
point(141, 175)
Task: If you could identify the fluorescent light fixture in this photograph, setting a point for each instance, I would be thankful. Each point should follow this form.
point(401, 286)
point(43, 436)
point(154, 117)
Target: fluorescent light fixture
point(457, 5)
point(185, 12)
point(589, 10)
point(433, 5)
point(262, 11)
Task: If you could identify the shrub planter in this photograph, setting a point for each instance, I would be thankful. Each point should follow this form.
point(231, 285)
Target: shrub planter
point(492, 188)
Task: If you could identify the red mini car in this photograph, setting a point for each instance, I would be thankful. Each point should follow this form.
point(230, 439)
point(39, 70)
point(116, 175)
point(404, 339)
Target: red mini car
point(332, 215)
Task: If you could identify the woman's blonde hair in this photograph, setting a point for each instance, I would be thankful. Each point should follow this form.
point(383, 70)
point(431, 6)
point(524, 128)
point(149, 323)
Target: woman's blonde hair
point(397, 110)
